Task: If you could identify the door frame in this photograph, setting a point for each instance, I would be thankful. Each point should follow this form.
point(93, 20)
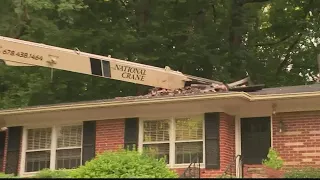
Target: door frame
point(249, 155)
point(238, 137)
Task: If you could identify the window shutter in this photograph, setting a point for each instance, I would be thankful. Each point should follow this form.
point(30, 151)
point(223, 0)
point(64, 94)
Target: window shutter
point(2, 143)
point(212, 148)
point(13, 149)
point(88, 141)
point(131, 133)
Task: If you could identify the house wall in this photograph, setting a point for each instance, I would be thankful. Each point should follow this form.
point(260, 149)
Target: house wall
point(299, 143)
point(5, 153)
point(227, 146)
point(110, 136)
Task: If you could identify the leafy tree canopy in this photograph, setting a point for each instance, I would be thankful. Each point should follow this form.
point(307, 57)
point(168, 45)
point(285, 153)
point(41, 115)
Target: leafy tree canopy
point(274, 41)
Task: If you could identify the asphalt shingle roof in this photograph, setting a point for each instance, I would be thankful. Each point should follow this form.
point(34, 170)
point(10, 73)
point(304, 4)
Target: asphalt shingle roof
point(289, 89)
point(264, 91)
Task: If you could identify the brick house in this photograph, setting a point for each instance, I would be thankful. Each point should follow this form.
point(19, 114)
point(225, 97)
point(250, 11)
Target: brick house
point(213, 126)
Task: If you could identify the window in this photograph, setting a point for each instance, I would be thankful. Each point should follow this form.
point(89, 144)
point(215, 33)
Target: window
point(54, 148)
point(179, 140)
point(156, 137)
point(68, 154)
point(38, 149)
point(189, 140)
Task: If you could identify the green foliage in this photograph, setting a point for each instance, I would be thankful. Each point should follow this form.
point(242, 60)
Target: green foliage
point(227, 176)
point(124, 164)
point(47, 173)
point(5, 176)
point(221, 40)
point(303, 173)
point(273, 160)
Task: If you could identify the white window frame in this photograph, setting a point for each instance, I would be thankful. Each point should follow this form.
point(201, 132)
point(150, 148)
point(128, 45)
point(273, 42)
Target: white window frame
point(172, 142)
point(53, 148)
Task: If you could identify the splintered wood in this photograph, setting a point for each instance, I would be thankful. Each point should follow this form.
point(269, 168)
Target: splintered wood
point(198, 88)
point(193, 89)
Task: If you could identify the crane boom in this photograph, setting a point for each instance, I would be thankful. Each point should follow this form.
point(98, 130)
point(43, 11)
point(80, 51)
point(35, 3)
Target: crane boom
point(24, 53)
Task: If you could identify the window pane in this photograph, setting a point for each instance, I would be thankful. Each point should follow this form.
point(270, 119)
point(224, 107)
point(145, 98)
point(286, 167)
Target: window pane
point(68, 158)
point(186, 151)
point(69, 136)
point(189, 129)
point(155, 131)
point(39, 138)
point(158, 150)
point(35, 161)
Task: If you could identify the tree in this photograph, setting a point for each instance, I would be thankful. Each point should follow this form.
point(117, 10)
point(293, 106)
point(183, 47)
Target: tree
point(275, 42)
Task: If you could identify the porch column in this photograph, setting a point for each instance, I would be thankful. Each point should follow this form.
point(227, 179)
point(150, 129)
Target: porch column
point(238, 145)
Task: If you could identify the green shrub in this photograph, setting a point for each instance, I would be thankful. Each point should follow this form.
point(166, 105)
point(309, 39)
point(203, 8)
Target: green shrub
point(303, 173)
point(3, 176)
point(227, 176)
point(124, 164)
point(47, 173)
point(273, 160)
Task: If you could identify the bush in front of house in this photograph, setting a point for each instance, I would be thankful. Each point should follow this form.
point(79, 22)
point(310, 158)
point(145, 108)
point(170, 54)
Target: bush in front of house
point(5, 176)
point(47, 173)
point(303, 173)
point(124, 164)
point(273, 160)
point(227, 176)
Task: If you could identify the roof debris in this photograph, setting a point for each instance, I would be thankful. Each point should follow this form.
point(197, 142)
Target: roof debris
point(240, 85)
point(188, 90)
point(193, 89)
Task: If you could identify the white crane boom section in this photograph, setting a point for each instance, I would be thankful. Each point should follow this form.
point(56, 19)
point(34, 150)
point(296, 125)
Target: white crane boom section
point(24, 53)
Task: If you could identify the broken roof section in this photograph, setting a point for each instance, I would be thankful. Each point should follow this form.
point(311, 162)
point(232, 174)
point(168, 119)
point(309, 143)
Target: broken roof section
point(194, 89)
point(200, 89)
point(266, 93)
point(197, 90)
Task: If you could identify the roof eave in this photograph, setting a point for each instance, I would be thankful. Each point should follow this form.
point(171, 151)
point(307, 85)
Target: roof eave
point(126, 102)
point(239, 95)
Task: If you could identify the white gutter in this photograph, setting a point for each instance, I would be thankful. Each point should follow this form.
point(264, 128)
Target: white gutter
point(115, 103)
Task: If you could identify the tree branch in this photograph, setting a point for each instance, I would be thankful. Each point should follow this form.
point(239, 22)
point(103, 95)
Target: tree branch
point(27, 20)
point(291, 47)
point(274, 43)
point(123, 4)
point(23, 21)
point(214, 12)
point(286, 58)
point(254, 1)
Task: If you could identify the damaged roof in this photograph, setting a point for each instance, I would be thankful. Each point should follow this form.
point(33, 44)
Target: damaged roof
point(157, 93)
point(196, 90)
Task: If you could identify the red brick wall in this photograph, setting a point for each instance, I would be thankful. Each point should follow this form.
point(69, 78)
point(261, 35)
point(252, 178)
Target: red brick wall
point(109, 135)
point(227, 139)
point(299, 144)
point(5, 152)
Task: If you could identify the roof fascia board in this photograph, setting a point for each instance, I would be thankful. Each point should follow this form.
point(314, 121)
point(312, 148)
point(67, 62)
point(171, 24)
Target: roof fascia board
point(238, 95)
point(123, 103)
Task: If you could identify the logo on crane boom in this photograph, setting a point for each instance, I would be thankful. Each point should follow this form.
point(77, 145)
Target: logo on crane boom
point(131, 72)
